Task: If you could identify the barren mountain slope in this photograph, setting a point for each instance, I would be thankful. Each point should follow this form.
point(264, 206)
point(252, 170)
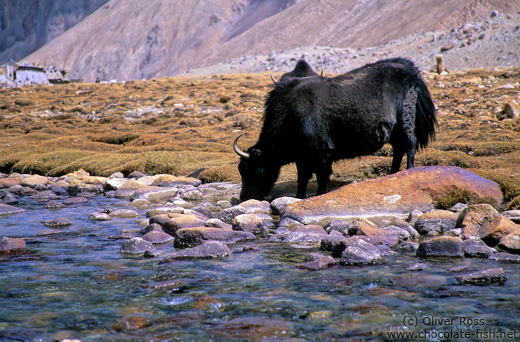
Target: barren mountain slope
point(132, 39)
point(27, 25)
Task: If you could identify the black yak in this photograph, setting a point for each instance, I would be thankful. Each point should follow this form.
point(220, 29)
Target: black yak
point(313, 120)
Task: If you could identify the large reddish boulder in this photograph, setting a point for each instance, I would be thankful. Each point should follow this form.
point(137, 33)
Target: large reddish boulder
point(420, 188)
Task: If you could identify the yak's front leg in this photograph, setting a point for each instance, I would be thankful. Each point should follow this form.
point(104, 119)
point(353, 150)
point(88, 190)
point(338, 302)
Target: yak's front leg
point(304, 174)
point(322, 176)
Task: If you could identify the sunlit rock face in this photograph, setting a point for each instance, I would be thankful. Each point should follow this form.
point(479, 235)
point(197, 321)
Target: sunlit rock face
point(401, 193)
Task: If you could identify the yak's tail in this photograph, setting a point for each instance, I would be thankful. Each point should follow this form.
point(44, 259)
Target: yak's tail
point(425, 115)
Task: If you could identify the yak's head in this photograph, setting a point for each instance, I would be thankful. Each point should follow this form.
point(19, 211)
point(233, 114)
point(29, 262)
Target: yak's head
point(258, 175)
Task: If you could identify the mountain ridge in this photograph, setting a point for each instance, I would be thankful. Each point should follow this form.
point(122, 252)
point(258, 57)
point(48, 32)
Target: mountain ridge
point(127, 40)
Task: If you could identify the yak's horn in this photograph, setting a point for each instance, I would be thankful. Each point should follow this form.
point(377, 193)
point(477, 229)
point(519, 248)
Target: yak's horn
point(237, 150)
point(274, 81)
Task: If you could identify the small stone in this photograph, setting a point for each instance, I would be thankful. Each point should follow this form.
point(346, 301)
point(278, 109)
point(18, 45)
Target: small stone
point(6, 209)
point(249, 223)
point(318, 264)
point(137, 246)
point(59, 222)
point(417, 267)
point(124, 213)
point(99, 217)
point(489, 276)
point(511, 242)
point(9, 199)
point(362, 253)
point(208, 250)
point(477, 249)
point(10, 245)
point(54, 205)
point(157, 237)
point(442, 246)
point(75, 200)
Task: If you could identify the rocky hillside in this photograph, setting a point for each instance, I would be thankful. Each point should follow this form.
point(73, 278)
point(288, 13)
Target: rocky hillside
point(27, 25)
point(132, 39)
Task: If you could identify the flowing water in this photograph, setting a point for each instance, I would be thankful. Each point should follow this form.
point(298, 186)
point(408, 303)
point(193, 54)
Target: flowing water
point(76, 284)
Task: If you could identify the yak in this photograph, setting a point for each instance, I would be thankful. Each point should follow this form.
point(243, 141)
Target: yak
point(312, 120)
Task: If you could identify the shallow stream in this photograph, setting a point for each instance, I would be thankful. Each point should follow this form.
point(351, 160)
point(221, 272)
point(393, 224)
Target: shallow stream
point(76, 284)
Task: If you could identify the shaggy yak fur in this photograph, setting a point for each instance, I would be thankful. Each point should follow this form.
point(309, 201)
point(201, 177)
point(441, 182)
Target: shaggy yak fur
point(313, 120)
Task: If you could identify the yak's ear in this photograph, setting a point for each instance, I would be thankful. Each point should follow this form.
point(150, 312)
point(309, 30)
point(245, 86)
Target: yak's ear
point(256, 153)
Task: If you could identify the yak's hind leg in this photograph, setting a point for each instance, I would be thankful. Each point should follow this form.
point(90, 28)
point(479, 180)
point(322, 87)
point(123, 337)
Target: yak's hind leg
point(403, 138)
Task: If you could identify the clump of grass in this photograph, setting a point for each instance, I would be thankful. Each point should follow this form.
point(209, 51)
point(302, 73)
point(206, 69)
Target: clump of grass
point(449, 199)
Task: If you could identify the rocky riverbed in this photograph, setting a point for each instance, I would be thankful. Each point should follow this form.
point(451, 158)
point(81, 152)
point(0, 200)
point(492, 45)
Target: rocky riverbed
point(200, 220)
point(171, 220)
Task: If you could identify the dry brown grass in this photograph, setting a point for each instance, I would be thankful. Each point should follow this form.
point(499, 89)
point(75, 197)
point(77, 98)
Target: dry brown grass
point(182, 125)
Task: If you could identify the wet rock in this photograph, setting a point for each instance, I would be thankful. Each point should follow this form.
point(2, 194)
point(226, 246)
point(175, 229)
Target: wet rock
point(175, 181)
point(172, 225)
point(164, 209)
point(506, 257)
point(318, 263)
point(416, 279)
point(252, 329)
point(477, 249)
point(189, 237)
point(137, 246)
point(309, 234)
point(125, 235)
point(136, 175)
point(340, 226)
point(482, 221)
point(408, 227)
point(510, 243)
point(152, 194)
point(191, 195)
point(207, 250)
point(398, 194)
point(54, 205)
point(75, 200)
point(45, 195)
point(417, 267)
point(124, 213)
point(204, 210)
point(114, 183)
point(436, 222)
point(279, 204)
point(255, 206)
point(442, 246)
point(485, 277)
point(11, 245)
point(401, 233)
point(9, 198)
point(99, 216)
point(34, 180)
point(513, 215)
point(157, 237)
point(131, 322)
point(249, 223)
point(379, 236)
point(6, 209)
point(332, 241)
point(10, 181)
point(408, 246)
point(58, 223)
point(227, 215)
point(216, 223)
point(361, 253)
